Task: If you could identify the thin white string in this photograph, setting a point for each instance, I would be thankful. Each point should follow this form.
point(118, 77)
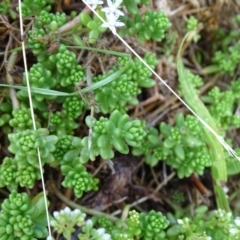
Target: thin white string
point(219, 138)
point(32, 114)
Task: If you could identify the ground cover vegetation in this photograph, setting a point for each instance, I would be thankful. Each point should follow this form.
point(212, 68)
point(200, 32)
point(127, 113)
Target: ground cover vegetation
point(120, 157)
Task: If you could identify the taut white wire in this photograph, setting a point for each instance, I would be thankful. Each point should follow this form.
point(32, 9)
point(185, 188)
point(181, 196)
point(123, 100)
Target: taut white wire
point(219, 138)
point(32, 114)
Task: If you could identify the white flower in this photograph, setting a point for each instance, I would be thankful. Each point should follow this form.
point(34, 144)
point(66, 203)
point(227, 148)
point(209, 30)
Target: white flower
point(50, 238)
point(56, 214)
point(180, 221)
point(237, 221)
point(104, 236)
point(94, 3)
point(112, 22)
point(77, 212)
point(233, 231)
point(89, 222)
point(113, 8)
point(184, 222)
point(101, 231)
point(66, 210)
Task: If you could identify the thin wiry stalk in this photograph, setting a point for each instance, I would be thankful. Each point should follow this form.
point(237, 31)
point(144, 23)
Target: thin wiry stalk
point(33, 117)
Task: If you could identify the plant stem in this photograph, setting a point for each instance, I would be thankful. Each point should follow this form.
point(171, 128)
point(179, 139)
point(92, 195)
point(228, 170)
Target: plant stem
point(75, 205)
point(12, 92)
point(70, 25)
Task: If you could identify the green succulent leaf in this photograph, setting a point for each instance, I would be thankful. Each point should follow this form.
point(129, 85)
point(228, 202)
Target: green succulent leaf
point(131, 6)
point(115, 116)
point(39, 214)
point(106, 153)
point(165, 129)
point(120, 145)
point(179, 151)
point(103, 141)
point(85, 18)
point(169, 143)
point(71, 154)
point(93, 36)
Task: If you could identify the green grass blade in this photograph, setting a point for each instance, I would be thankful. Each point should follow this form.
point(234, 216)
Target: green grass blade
point(103, 82)
point(42, 91)
point(50, 92)
point(218, 169)
point(120, 54)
